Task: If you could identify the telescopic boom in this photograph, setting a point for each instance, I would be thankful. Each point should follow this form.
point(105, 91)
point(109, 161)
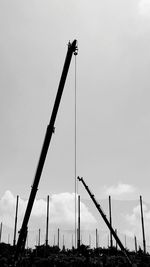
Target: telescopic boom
point(72, 48)
point(105, 219)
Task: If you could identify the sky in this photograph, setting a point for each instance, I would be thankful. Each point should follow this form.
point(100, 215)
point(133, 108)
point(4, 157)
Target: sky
point(113, 112)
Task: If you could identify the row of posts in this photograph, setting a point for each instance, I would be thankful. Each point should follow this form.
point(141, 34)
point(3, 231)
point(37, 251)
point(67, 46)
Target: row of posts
point(78, 229)
point(110, 220)
point(142, 222)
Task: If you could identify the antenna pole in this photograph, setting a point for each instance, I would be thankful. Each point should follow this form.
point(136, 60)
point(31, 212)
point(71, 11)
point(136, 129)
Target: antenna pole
point(142, 221)
point(1, 227)
point(110, 220)
point(15, 229)
point(78, 222)
point(47, 221)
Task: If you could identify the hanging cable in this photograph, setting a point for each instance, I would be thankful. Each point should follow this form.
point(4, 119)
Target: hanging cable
point(75, 149)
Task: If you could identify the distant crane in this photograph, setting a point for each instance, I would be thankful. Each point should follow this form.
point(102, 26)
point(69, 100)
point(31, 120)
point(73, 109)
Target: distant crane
point(72, 49)
point(106, 220)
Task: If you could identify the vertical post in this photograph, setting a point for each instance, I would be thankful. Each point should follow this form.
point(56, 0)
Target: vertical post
point(47, 221)
point(1, 231)
point(16, 215)
point(58, 238)
point(54, 240)
point(63, 242)
point(39, 241)
point(110, 220)
point(96, 239)
point(89, 241)
point(135, 241)
point(8, 238)
point(142, 221)
point(125, 241)
point(108, 240)
point(78, 222)
point(72, 240)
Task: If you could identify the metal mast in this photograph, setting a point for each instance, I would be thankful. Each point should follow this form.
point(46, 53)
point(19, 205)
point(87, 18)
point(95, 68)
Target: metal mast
point(72, 48)
point(96, 238)
point(142, 221)
point(47, 221)
point(15, 229)
point(78, 244)
point(1, 227)
point(39, 240)
point(58, 238)
point(110, 220)
point(105, 219)
point(135, 242)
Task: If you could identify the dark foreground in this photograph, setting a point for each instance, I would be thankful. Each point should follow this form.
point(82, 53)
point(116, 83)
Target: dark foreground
point(54, 257)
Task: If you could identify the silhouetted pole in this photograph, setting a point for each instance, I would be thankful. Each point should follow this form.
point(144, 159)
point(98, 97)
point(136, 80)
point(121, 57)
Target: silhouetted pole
point(135, 241)
point(8, 238)
point(78, 246)
point(96, 239)
point(47, 221)
point(15, 229)
point(39, 241)
point(72, 240)
point(110, 220)
point(142, 220)
point(125, 241)
point(54, 240)
point(58, 238)
point(89, 241)
point(63, 242)
point(1, 227)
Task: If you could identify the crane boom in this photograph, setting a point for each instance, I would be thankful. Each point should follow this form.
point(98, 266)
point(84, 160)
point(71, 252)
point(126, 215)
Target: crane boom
point(105, 219)
point(72, 48)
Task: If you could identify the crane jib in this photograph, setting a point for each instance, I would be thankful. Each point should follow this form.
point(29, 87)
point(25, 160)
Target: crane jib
point(105, 219)
point(72, 49)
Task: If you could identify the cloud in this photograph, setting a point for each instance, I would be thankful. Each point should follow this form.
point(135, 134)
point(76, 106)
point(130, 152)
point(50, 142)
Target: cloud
point(119, 190)
point(61, 211)
point(144, 8)
point(134, 222)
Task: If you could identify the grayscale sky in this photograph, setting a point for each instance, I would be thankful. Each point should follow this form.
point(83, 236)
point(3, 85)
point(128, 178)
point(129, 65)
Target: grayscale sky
point(113, 110)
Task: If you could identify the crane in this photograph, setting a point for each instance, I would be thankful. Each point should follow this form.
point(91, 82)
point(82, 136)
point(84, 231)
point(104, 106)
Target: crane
point(72, 49)
point(105, 219)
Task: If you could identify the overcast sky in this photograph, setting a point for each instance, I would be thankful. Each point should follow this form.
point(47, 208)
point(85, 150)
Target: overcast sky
point(113, 81)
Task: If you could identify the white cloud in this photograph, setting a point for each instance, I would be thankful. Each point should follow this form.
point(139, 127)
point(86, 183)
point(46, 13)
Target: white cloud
point(119, 190)
point(61, 211)
point(144, 8)
point(134, 222)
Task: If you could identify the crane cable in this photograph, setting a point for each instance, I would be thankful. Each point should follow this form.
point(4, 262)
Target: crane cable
point(75, 150)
